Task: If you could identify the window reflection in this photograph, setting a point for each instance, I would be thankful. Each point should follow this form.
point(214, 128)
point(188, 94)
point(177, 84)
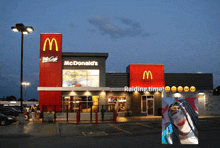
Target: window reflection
point(82, 103)
point(80, 78)
point(117, 103)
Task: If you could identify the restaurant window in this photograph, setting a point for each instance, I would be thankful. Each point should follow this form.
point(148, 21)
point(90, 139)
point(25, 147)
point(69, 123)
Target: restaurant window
point(80, 78)
point(117, 103)
point(82, 103)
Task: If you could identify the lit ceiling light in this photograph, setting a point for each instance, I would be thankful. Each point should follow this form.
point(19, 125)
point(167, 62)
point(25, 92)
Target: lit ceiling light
point(72, 93)
point(201, 93)
point(177, 95)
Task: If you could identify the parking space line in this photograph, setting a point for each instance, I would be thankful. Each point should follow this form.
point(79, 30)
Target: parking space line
point(83, 133)
point(105, 133)
point(119, 129)
point(145, 125)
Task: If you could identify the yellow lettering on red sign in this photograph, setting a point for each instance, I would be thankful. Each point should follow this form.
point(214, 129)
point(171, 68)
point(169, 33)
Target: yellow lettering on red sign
point(50, 44)
point(147, 73)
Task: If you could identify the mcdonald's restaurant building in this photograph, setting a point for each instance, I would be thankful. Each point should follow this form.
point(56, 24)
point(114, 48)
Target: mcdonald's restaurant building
point(76, 81)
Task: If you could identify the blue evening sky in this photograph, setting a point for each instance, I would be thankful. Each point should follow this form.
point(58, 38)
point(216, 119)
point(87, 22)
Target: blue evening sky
point(183, 35)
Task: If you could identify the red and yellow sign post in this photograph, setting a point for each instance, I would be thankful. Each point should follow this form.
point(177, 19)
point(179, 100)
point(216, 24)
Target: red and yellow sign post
point(50, 69)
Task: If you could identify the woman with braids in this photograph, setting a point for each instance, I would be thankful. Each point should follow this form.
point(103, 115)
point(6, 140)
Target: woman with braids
point(182, 127)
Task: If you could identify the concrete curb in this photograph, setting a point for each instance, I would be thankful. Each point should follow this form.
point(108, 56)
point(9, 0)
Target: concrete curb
point(119, 120)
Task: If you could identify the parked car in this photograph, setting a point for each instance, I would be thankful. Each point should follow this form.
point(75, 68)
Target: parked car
point(9, 111)
point(5, 120)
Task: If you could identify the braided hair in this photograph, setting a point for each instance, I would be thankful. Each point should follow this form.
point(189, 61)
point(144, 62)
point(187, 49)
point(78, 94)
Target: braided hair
point(193, 115)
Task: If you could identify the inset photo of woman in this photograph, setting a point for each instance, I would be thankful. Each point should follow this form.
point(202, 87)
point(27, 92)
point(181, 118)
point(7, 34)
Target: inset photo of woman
point(180, 120)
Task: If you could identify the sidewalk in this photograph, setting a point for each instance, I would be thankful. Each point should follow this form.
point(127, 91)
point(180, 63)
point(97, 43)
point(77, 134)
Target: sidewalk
point(28, 129)
point(209, 116)
point(120, 119)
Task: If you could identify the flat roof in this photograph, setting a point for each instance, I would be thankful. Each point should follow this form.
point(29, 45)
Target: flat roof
point(85, 54)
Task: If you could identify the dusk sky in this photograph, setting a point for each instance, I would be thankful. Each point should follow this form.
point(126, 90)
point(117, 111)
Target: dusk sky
point(183, 35)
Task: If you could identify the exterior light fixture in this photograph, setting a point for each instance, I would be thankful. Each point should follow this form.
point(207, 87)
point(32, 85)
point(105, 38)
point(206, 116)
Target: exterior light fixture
point(25, 84)
point(14, 29)
point(24, 30)
point(30, 29)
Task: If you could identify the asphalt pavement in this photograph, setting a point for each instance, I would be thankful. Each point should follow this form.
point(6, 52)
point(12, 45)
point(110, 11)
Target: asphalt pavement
point(139, 131)
point(39, 128)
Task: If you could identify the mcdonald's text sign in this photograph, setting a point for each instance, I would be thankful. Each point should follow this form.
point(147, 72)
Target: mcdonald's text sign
point(146, 75)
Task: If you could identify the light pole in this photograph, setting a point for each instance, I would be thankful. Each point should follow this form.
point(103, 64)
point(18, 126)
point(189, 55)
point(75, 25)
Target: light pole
point(24, 30)
point(25, 84)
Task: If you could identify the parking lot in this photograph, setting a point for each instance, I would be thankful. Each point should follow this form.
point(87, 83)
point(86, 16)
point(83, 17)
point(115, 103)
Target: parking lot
point(109, 129)
point(106, 134)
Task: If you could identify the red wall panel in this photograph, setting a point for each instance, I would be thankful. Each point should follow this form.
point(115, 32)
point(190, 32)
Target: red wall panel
point(50, 98)
point(145, 75)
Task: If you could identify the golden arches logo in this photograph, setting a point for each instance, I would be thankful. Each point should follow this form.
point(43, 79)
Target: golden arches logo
point(147, 73)
point(50, 44)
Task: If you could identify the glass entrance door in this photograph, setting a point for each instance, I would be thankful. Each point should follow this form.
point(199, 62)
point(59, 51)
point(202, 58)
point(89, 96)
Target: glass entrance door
point(147, 105)
point(144, 104)
point(150, 107)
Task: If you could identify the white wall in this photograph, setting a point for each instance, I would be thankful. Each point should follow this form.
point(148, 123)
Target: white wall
point(212, 106)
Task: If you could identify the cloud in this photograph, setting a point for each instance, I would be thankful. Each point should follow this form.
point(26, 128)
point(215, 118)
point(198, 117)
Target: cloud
point(134, 25)
point(104, 25)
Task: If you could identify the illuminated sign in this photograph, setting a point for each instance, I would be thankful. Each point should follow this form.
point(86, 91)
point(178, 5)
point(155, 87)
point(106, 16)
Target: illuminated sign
point(49, 59)
point(12, 101)
point(50, 68)
point(81, 63)
point(146, 73)
point(50, 44)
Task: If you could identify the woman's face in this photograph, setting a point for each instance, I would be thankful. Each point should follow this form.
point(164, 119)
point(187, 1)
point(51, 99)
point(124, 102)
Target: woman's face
point(180, 120)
